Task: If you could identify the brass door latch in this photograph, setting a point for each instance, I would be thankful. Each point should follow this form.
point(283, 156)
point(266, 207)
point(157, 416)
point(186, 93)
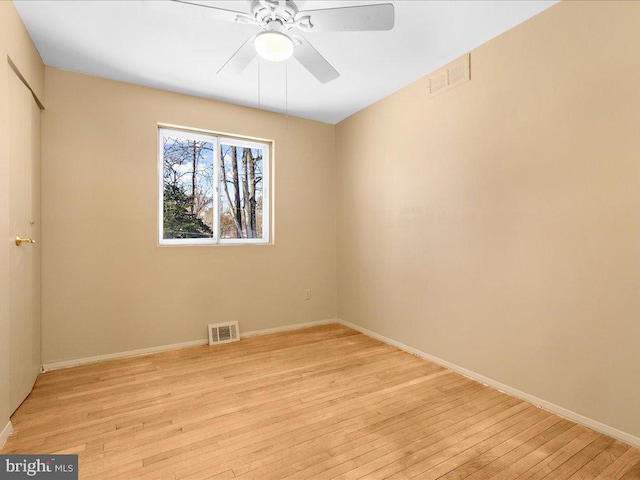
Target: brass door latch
point(20, 240)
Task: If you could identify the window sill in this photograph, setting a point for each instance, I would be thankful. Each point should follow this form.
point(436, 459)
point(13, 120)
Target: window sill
point(219, 244)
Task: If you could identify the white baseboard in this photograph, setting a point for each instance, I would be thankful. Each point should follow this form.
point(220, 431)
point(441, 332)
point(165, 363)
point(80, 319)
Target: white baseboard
point(4, 434)
point(176, 346)
point(285, 328)
point(551, 407)
point(113, 356)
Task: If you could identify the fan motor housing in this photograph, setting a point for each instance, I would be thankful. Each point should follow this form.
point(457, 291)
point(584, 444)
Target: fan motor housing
point(264, 11)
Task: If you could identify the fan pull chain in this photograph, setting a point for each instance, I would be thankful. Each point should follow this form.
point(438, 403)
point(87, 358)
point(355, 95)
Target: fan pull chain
point(259, 103)
point(286, 93)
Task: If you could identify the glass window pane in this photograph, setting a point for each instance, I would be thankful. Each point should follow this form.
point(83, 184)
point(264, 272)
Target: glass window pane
point(241, 187)
point(188, 188)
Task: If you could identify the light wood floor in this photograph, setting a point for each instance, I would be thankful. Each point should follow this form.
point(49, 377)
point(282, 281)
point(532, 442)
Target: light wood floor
point(318, 403)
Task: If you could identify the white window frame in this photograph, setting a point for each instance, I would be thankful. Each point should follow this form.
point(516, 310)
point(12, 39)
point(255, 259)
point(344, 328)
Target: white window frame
point(217, 140)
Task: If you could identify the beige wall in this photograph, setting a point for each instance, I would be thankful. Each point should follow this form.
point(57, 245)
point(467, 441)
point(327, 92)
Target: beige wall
point(106, 285)
point(497, 226)
point(16, 45)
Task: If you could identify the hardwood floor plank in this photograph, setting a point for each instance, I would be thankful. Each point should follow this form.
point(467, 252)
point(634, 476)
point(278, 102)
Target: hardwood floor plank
point(532, 459)
point(600, 462)
point(557, 458)
point(581, 458)
point(478, 462)
point(619, 467)
point(513, 450)
point(435, 439)
point(481, 442)
point(632, 473)
point(319, 403)
point(372, 467)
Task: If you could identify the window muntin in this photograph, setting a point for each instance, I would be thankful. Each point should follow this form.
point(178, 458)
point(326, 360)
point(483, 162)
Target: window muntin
point(230, 178)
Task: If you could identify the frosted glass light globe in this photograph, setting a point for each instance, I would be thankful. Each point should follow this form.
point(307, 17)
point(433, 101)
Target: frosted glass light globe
point(274, 46)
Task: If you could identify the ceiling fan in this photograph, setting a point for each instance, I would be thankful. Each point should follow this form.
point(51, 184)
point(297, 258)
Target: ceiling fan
point(276, 20)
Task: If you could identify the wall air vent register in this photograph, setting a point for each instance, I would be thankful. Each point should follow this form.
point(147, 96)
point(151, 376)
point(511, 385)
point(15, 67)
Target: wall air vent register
point(223, 333)
point(451, 75)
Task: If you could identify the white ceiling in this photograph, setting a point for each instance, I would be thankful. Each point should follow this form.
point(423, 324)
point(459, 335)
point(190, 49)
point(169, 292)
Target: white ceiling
point(128, 41)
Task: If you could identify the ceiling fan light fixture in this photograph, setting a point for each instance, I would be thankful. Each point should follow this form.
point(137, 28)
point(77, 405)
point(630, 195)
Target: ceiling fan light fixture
point(273, 46)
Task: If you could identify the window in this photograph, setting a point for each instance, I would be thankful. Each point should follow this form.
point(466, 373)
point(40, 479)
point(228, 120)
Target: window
point(213, 189)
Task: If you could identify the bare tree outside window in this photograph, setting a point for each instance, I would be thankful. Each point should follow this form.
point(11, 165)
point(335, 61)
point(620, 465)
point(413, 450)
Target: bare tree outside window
point(242, 202)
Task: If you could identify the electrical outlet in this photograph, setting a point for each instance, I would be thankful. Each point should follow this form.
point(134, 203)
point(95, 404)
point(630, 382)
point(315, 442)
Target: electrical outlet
point(307, 294)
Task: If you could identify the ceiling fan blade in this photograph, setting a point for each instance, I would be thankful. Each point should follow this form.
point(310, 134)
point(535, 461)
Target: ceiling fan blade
point(351, 19)
point(239, 60)
point(192, 7)
point(311, 59)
